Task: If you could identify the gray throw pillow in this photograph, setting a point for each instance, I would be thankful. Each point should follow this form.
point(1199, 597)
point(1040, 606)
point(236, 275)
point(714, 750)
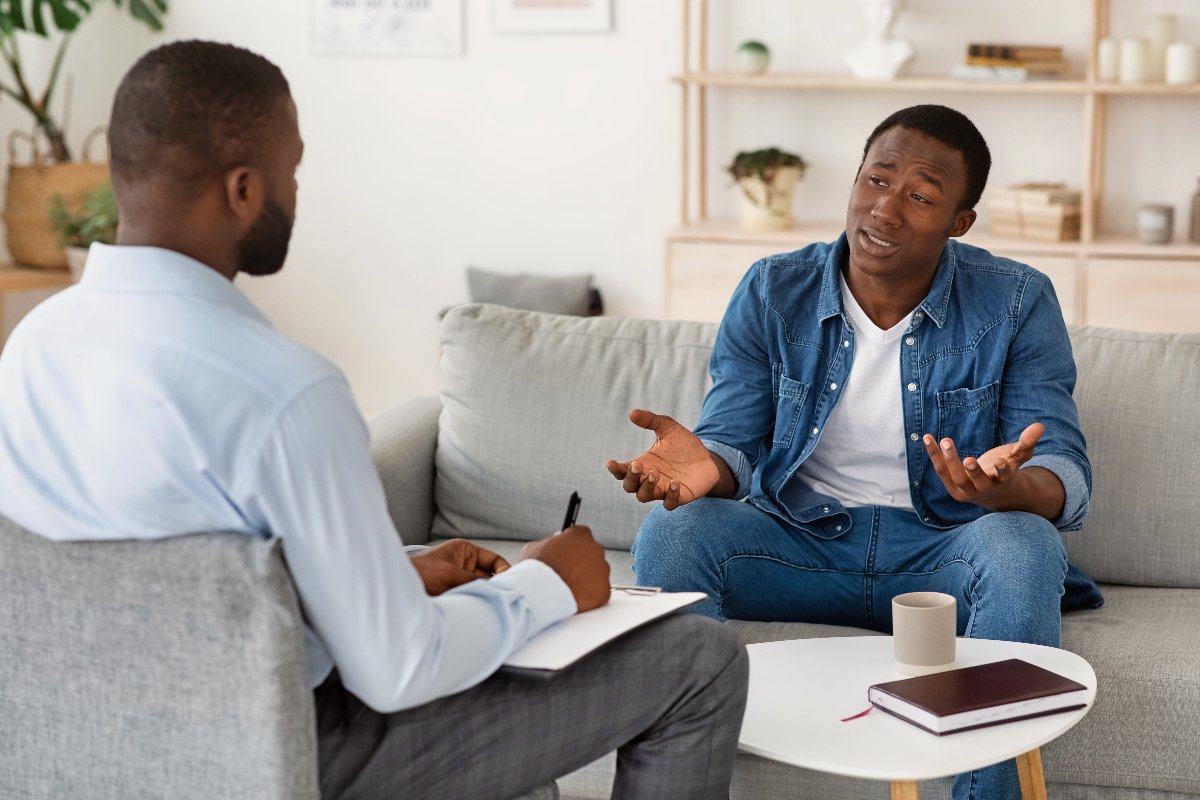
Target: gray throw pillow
point(552, 294)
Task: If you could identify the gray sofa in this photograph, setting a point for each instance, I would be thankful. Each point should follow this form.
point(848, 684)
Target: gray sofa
point(531, 405)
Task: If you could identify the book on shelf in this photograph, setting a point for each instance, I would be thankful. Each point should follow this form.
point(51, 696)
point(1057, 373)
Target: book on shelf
point(1056, 67)
point(977, 697)
point(1015, 52)
point(1046, 212)
point(979, 72)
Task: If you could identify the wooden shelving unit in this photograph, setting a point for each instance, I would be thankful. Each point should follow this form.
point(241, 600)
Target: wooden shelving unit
point(1069, 264)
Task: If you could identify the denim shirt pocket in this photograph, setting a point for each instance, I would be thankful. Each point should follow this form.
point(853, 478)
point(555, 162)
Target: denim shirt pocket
point(789, 402)
point(969, 417)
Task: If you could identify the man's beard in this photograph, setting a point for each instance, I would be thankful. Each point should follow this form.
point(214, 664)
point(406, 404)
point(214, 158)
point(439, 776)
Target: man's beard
point(264, 248)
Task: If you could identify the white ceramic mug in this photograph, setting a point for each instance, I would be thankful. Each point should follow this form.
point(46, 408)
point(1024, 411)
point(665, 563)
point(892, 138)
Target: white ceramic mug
point(923, 627)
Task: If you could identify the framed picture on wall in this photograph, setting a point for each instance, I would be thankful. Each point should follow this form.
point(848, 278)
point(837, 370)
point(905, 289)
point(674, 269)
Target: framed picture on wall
point(522, 16)
point(388, 27)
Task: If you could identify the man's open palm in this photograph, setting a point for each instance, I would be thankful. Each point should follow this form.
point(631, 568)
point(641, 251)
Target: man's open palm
point(676, 469)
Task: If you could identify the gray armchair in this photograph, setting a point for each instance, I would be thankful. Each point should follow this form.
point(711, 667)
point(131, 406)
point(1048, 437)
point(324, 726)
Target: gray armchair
point(172, 668)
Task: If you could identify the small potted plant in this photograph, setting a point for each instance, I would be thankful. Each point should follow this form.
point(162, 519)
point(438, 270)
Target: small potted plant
point(95, 222)
point(766, 181)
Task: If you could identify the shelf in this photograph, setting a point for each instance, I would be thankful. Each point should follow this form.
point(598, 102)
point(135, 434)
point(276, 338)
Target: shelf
point(20, 279)
point(727, 231)
point(834, 82)
point(1146, 88)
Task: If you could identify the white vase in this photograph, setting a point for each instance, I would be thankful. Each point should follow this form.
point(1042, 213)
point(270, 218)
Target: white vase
point(76, 258)
point(768, 206)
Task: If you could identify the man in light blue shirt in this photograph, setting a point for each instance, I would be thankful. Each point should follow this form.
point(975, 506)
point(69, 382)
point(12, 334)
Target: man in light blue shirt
point(154, 400)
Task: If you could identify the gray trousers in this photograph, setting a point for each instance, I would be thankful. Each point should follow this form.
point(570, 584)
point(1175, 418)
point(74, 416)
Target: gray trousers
point(668, 697)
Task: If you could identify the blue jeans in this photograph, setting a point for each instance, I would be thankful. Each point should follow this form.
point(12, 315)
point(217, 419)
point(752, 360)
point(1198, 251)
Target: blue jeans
point(1005, 569)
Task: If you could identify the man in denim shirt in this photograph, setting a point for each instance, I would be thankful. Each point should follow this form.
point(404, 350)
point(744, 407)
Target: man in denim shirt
point(833, 368)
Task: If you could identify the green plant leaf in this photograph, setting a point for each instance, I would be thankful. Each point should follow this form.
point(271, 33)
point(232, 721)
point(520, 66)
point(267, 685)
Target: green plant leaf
point(13, 13)
point(148, 11)
point(65, 14)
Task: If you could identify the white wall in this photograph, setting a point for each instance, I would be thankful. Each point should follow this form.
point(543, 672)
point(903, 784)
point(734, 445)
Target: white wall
point(558, 153)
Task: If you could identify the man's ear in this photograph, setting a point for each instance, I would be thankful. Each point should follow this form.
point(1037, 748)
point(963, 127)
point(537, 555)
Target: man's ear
point(245, 194)
point(963, 222)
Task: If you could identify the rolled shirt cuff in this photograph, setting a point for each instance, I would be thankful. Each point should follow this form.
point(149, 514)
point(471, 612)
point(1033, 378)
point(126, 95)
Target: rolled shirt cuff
point(737, 462)
point(1075, 507)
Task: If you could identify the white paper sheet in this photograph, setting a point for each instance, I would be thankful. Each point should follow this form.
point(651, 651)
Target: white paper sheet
point(568, 641)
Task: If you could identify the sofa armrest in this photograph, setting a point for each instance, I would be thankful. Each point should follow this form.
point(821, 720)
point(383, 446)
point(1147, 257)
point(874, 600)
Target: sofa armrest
point(403, 440)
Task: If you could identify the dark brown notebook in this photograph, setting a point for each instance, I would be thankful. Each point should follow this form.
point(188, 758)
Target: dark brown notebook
point(976, 697)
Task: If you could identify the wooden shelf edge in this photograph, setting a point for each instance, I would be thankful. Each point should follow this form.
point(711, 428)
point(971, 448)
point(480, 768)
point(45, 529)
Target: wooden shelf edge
point(723, 231)
point(836, 82)
point(21, 279)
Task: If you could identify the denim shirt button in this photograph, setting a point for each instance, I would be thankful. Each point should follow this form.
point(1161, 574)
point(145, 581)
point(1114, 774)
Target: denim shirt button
point(837, 527)
point(833, 387)
point(912, 387)
point(846, 343)
point(911, 340)
point(825, 510)
point(913, 436)
point(815, 431)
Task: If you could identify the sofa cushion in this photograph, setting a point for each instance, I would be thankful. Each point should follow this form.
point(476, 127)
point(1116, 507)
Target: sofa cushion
point(1137, 395)
point(172, 668)
point(1143, 729)
point(532, 406)
point(554, 294)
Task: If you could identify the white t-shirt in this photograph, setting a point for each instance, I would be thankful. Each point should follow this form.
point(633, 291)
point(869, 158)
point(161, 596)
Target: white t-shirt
point(860, 458)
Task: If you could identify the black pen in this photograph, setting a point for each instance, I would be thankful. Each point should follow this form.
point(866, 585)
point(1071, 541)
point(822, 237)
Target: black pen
point(572, 512)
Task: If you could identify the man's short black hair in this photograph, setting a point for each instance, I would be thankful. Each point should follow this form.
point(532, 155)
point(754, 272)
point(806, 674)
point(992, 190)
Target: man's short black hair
point(951, 128)
point(188, 111)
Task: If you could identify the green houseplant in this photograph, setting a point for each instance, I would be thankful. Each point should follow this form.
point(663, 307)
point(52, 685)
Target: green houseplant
point(61, 17)
point(96, 221)
point(53, 170)
point(766, 181)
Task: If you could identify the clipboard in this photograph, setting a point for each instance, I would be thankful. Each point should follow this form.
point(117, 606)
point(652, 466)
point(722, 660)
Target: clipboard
point(566, 642)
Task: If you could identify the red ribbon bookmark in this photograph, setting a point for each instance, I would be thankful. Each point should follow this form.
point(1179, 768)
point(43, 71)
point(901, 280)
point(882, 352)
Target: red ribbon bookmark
point(859, 715)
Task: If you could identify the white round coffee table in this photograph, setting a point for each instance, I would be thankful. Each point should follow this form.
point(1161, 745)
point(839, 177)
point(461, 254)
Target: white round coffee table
point(801, 690)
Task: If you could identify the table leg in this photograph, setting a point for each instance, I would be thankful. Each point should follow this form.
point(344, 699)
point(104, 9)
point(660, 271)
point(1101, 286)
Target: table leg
point(1033, 780)
point(904, 790)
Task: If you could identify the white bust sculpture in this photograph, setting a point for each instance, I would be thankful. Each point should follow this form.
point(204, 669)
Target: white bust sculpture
point(880, 56)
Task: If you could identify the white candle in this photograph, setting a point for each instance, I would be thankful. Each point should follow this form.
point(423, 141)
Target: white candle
point(1135, 60)
point(1160, 30)
point(1108, 60)
point(1182, 63)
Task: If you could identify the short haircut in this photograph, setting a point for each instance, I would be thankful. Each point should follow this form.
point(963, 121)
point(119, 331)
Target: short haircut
point(188, 111)
point(951, 128)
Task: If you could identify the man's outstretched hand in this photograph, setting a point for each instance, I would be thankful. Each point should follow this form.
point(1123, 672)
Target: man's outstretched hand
point(995, 480)
point(454, 563)
point(676, 469)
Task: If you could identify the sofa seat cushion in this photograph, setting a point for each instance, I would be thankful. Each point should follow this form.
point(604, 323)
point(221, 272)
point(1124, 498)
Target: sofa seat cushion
point(1144, 728)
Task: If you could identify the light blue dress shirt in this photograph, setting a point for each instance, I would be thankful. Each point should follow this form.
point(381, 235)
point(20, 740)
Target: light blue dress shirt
point(153, 399)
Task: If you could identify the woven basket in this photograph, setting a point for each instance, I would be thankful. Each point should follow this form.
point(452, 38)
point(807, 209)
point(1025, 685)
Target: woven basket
point(31, 189)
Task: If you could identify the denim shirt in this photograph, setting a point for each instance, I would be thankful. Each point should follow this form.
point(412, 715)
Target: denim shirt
point(985, 355)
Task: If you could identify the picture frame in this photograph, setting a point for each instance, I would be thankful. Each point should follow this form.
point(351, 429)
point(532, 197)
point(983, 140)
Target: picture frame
point(551, 16)
point(387, 27)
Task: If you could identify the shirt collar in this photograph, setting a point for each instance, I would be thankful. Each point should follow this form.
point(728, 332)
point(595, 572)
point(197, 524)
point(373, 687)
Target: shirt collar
point(122, 268)
point(936, 304)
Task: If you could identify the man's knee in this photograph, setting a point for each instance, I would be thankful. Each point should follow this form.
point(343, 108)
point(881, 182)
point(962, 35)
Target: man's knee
point(707, 647)
point(1019, 543)
point(674, 537)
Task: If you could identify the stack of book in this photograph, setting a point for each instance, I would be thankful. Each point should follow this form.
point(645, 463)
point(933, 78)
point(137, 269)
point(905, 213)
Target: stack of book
point(1012, 62)
point(1046, 212)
